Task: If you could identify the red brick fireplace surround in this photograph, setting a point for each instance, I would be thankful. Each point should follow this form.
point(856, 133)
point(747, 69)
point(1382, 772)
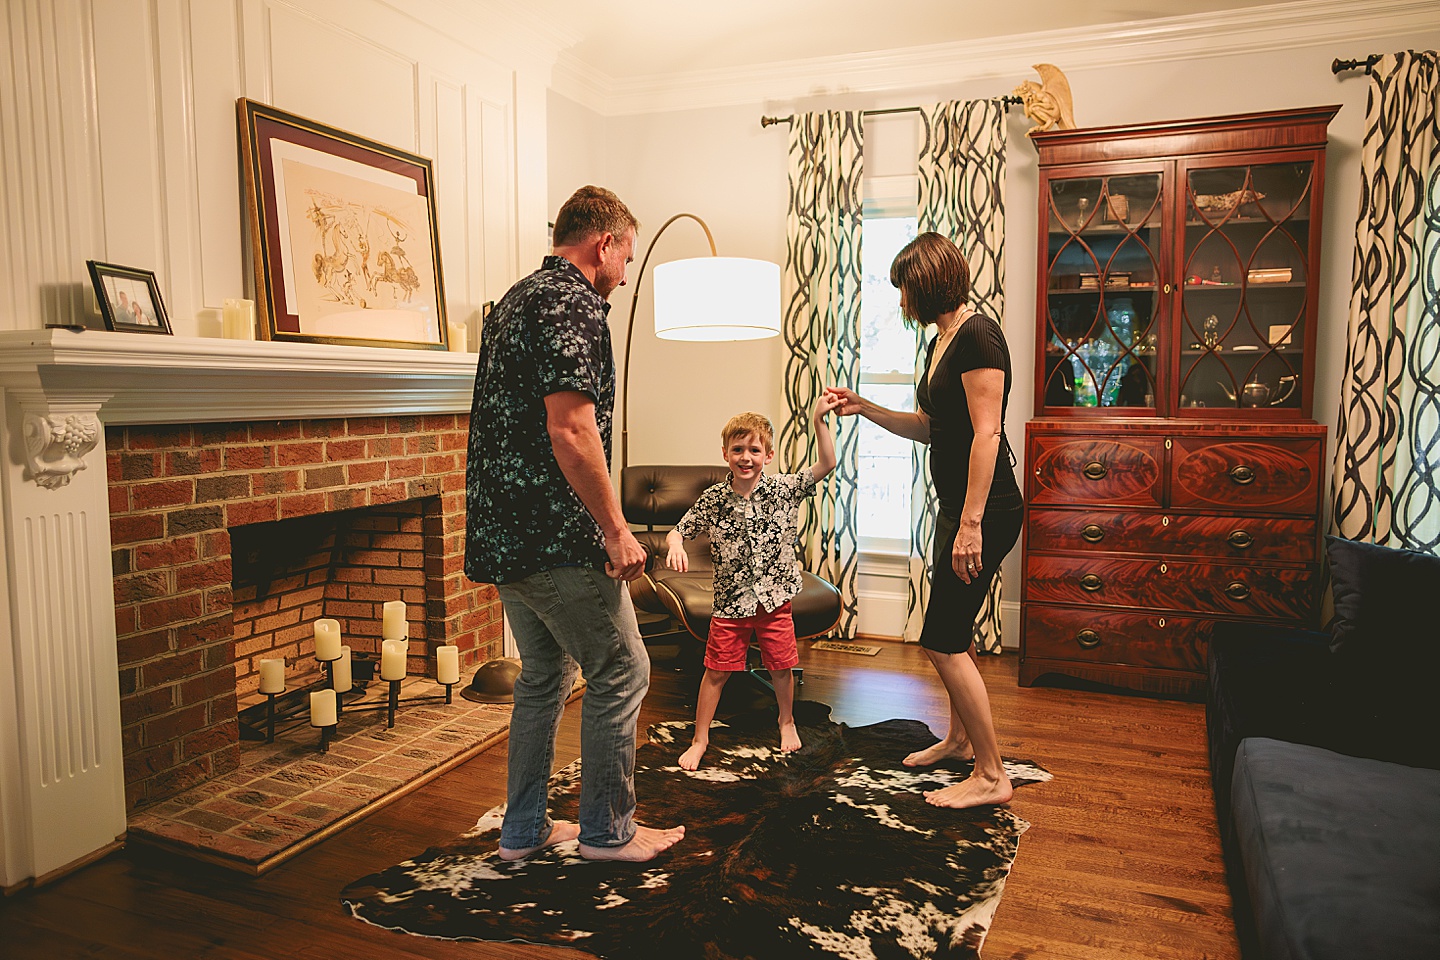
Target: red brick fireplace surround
point(177, 493)
point(127, 464)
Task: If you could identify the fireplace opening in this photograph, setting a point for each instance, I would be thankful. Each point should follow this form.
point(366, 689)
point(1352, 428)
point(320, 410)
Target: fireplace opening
point(342, 565)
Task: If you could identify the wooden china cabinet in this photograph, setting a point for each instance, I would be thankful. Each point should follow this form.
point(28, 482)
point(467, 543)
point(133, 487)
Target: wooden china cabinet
point(1174, 472)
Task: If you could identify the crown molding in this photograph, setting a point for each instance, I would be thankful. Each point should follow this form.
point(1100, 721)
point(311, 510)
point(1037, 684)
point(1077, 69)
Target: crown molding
point(505, 31)
point(1305, 23)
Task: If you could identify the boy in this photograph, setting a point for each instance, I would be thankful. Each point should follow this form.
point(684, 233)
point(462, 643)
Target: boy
point(752, 522)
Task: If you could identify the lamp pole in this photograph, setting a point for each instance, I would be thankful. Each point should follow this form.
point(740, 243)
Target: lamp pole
point(630, 331)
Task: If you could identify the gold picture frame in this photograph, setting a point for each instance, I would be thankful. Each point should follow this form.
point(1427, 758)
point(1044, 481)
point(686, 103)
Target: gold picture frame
point(343, 235)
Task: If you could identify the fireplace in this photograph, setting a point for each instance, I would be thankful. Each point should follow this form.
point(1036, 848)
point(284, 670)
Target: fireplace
point(130, 463)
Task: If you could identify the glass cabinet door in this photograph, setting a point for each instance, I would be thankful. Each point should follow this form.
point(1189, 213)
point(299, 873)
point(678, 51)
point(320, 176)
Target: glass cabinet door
point(1245, 274)
point(1102, 296)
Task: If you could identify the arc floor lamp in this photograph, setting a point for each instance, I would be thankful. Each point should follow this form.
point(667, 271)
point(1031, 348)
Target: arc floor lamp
point(702, 299)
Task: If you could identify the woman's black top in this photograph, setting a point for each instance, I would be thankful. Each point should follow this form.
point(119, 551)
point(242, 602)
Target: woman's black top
point(978, 344)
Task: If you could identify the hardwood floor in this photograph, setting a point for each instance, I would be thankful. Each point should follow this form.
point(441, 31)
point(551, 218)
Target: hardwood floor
point(1122, 858)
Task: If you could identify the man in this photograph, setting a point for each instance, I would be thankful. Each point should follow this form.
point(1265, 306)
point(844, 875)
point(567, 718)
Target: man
point(543, 524)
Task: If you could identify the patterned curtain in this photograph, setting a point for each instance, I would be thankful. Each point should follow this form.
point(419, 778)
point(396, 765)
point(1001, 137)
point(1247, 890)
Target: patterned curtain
point(1386, 487)
point(962, 196)
point(822, 333)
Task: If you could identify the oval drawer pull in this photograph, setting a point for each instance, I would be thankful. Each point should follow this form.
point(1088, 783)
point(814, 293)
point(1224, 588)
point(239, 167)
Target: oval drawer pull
point(1092, 533)
point(1240, 540)
point(1237, 590)
point(1088, 639)
point(1091, 583)
point(1242, 474)
point(1095, 470)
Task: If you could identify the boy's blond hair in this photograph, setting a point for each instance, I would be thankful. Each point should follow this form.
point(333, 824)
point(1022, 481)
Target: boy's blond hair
point(744, 424)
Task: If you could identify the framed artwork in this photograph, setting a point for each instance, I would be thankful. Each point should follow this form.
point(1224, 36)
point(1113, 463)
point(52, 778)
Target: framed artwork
point(129, 298)
point(343, 235)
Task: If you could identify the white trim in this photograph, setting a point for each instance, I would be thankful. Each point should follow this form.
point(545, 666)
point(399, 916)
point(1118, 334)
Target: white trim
point(1008, 59)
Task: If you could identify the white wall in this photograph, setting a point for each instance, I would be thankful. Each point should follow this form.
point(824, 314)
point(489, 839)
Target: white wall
point(719, 163)
point(119, 137)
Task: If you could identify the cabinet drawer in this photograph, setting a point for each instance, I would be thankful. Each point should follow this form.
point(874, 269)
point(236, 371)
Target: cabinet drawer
point(1098, 470)
point(1090, 532)
point(1281, 476)
point(1098, 636)
point(1227, 589)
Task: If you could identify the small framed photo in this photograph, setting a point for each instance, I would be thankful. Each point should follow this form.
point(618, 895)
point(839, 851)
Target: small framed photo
point(129, 298)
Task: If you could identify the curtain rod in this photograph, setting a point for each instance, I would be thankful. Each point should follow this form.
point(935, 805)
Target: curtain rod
point(771, 121)
point(1340, 66)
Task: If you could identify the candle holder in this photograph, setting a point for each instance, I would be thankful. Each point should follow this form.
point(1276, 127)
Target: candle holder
point(270, 716)
point(327, 733)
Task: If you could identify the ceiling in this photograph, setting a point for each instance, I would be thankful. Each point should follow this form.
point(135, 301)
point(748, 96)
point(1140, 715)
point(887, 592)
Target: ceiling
point(640, 38)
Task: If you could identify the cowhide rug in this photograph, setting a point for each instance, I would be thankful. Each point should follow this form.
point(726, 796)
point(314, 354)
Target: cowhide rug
point(829, 852)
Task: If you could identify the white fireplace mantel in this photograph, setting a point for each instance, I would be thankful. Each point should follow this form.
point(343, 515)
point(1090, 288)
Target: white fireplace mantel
point(157, 379)
point(62, 788)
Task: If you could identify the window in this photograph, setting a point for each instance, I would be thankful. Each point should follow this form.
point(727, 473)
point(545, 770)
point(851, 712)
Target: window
point(887, 376)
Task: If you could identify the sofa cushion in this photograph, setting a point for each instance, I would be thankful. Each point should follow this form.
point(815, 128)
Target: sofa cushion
point(1385, 599)
point(1341, 855)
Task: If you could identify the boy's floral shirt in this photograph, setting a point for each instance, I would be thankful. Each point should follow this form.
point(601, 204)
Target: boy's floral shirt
point(546, 335)
point(752, 542)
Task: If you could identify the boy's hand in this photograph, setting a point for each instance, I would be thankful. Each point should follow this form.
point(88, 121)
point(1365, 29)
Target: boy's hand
point(828, 401)
point(676, 559)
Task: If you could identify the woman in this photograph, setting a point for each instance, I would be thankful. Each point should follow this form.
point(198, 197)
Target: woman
point(961, 413)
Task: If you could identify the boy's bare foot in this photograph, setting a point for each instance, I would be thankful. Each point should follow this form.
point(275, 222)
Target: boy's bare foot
point(690, 759)
point(789, 738)
point(974, 791)
point(944, 750)
point(560, 831)
point(645, 845)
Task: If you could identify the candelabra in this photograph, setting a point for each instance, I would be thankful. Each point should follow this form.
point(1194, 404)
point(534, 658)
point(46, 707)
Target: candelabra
point(326, 697)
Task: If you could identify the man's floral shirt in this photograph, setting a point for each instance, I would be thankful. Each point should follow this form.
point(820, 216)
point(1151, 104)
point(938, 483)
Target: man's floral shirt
point(752, 542)
point(547, 335)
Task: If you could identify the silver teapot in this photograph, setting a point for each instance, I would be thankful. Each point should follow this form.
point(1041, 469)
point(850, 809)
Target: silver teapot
point(1256, 393)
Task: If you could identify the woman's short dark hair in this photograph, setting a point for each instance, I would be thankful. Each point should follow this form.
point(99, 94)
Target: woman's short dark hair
point(934, 276)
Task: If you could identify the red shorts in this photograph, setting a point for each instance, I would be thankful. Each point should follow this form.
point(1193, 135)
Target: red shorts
point(730, 640)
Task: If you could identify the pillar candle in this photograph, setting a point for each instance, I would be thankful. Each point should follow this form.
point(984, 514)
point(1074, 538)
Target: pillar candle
point(341, 671)
point(457, 337)
point(392, 623)
point(272, 676)
point(238, 319)
point(322, 708)
point(210, 322)
point(392, 660)
point(327, 639)
point(447, 664)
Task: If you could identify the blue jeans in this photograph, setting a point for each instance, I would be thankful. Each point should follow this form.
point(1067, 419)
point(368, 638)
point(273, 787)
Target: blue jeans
point(562, 618)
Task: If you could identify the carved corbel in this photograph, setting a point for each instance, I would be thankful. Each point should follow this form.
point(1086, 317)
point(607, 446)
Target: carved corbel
point(56, 445)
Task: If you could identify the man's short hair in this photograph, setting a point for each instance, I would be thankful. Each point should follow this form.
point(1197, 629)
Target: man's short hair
point(934, 275)
point(743, 425)
point(592, 211)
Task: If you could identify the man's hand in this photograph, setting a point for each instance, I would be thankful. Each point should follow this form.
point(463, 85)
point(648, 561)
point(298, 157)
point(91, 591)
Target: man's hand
point(627, 557)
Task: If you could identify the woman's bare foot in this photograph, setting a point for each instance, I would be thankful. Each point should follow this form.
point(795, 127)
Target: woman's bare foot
point(560, 831)
point(944, 750)
point(789, 738)
point(974, 791)
point(690, 759)
point(645, 845)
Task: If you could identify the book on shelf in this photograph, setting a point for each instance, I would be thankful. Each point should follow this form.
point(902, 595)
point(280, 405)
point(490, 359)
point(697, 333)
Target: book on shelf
point(1269, 275)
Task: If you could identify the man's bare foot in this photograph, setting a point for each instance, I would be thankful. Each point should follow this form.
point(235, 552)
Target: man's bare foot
point(974, 791)
point(690, 759)
point(944, 750)
point(560, 831)
point(789, 738)
point(645, 845)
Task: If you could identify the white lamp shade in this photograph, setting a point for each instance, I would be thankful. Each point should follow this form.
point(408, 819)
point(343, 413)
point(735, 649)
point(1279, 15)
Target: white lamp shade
point(717, 298)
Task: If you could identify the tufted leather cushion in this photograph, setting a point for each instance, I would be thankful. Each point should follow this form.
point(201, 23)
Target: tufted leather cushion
point(661, 495)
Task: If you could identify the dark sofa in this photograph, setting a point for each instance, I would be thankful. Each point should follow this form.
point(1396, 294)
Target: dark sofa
point(1325, 763)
